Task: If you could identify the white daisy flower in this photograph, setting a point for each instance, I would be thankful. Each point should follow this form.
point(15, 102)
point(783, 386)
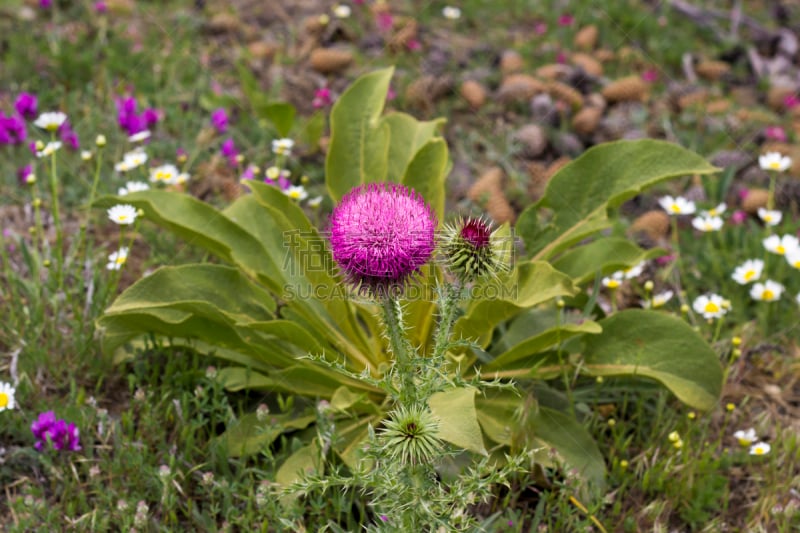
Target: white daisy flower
point(710, 306)
point(677, 205)
point(49, 149)
point(781, 245)
point(748, 271)
point(123, 214)
point(50, 121)
point(770, 217)
point(715, 211)
point(181, 178)
point(745, 437)
point(86, 155)
point(707, 223)
point(774, 161)
point(760, 448)
point(296, 192)
point(132, 186)
point(769, 291)
point(341, 11)
point(117, 259)
point(282, 147)
point(315, 202)
point(164, 174)
point(661, 299)
point(6, 396)
point(452, 13)
point(273, 173)
point(122, 166)
point(634, 272)
point(793, 258)
point(614, 280)
point(138, 137)
point(132, 160)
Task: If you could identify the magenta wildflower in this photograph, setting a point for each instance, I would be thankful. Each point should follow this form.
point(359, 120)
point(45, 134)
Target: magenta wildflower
point(26, 104)
point(665, 259)
point(228, 149)
point(62, 436)
point(249, 173)
point(45, 4)
point(381, 234)
point(219, 119)
point(566, 20)
point(24, 173)
point(100, 7)
point(12, 129)
point(384, 518)
point(791, 101)
point(540, 28)
point(775, 133)
point(322, 98)
point(68, 136)
point(391, 94)
point(384, 20)
point(650, 75)
point(738, 217)
point(414, 45)
point(561, 57)
point(131, 121)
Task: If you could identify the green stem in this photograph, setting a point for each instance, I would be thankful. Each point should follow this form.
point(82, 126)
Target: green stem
point(771, 196)
point(401, 349)
point(58, 255)
point(449, 296)
point(562, 364)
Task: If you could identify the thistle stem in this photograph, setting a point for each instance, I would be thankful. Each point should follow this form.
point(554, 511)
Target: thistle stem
point(449, 296)
point(401, 349)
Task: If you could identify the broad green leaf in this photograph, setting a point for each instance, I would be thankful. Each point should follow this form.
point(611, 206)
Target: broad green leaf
point(305, 461)
point(290, 332)
point(529, 284)
point(248, 435)
point(539, 343)
point(199, 224)
point(407, 136)
point(604, 256)
point(426, 174)
point(458, 420)
point(351, 437)
point(580, 194)
point(345, 399)
point(657, 346)
point(312, 130)
point(359, 148)
point(281, 114)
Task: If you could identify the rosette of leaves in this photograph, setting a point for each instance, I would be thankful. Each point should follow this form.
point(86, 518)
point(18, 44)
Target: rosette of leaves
point(273, 311)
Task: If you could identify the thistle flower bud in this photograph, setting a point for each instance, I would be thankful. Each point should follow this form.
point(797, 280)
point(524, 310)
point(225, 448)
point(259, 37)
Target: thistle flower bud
point(410, 435)
point(471, 250)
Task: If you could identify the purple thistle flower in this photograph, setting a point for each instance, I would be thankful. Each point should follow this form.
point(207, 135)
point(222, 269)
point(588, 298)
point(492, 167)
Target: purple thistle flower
point(381, 234)
point(100, 7)
point(219, 119)
point(150, 117)
point(62, 436)
point(26, 104)
point(12, 129)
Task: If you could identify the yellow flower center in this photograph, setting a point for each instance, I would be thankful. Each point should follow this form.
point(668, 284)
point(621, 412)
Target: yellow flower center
point(121, 259)
point(743, 442)
point(750, 274)
point(294, 194)
point(4, 400)
point(780, 249)
point(775, 165)
point(711, 307)
point(796, 264)
point(613, 284)
point(122, 218)
point(759, 450)
point(675, 208)
point(52, 126)
point(767, 218)
point(768, 295)
point(709, 226)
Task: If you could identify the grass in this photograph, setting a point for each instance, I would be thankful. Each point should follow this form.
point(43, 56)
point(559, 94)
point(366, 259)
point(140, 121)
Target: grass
point(152, 456)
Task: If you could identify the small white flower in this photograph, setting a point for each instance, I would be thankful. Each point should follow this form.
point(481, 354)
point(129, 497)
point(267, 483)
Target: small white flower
point(296, 192)
point(123, 214)
point(781, 245)
point(131, 160)
point(6, 396)
point(86, 155)
point(341, 11)
point(715, 211)
point(760, 448)
point(138, 137)
point(748, 271)
point(661, 299)
point(117, 259)
point(774, 161)
point(769, 291)
point(770, 217)
point(745, 437)
point(634, 272)
point(49, 149)
point(122, 166)
point(793, 258)
point(614, 280)
point(677, 205)
point(710, 306)
point(181, 178)
point(282, 147)
point(164, 174)
point(273, 173)
point(50, 121)
point(315, 202)
point(132, 186)
point(452, 13)
point(707, 223)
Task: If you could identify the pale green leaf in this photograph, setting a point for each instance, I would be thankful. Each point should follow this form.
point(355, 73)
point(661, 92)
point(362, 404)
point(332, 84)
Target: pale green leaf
point(458, 420)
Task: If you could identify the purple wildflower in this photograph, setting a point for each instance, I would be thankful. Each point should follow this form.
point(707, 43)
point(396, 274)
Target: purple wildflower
point(45, 4)
point(23, 174)
point(381, 234)
point(229, 150)
point(219, 119)
point(384, 20)
point(131, 121)
point(650, 75)
point(150, 117)
point(322, 98)
point(249, 173)
point(738, 217)
point(100, 7)
point(566, 20)
point(791, 101)
point(775, 133)
point(62, 436)
point(540, 28)
point(26, 104)
point(68, 136)
point(12, 129)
